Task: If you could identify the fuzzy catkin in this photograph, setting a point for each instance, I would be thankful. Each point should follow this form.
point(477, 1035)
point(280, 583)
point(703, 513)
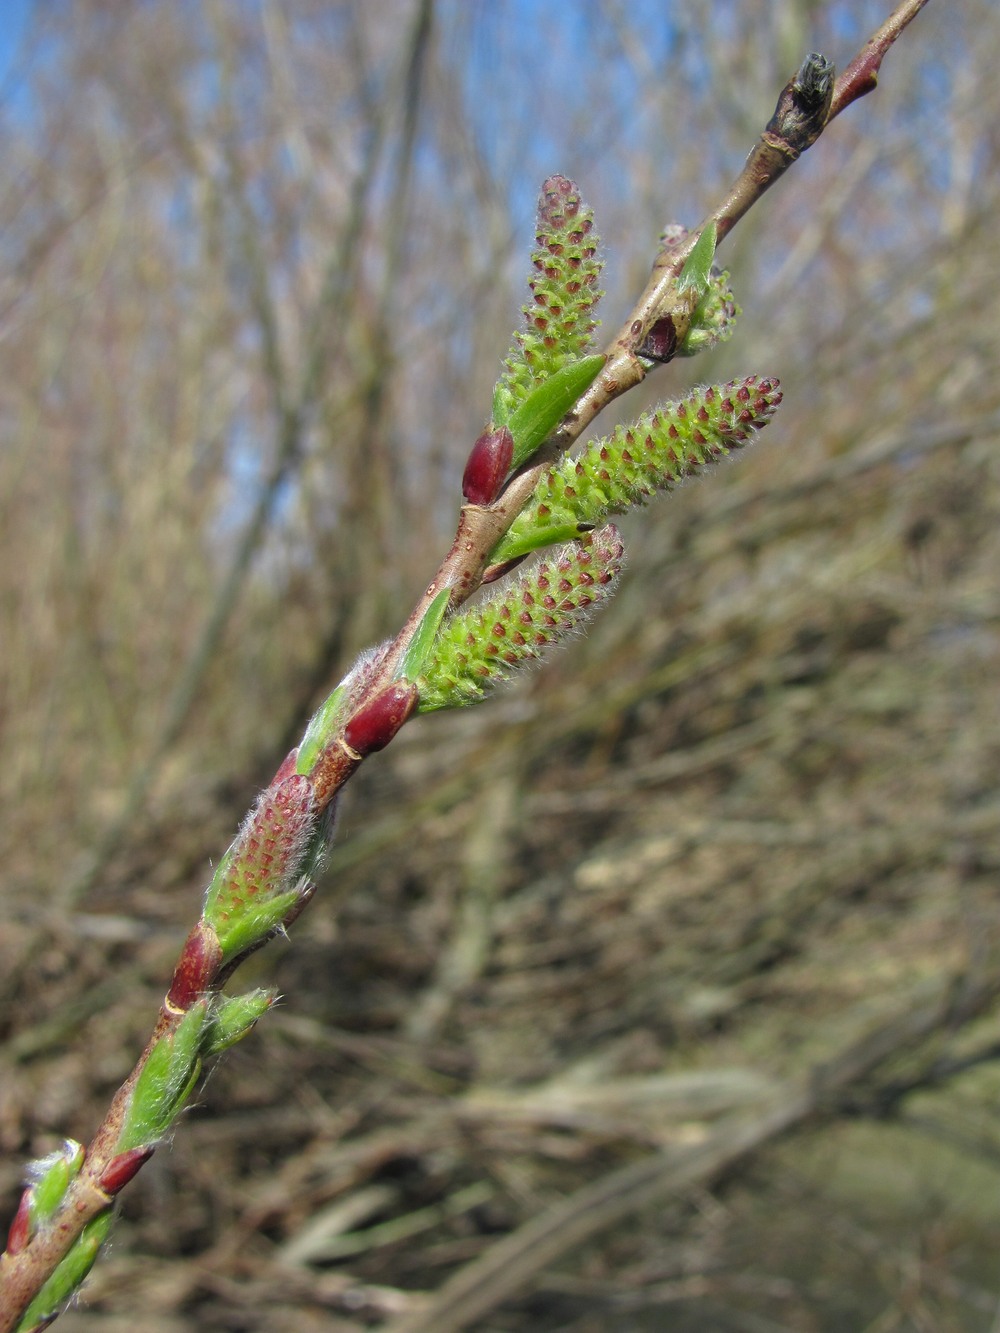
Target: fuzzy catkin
point(479, 648)
point(628, 467)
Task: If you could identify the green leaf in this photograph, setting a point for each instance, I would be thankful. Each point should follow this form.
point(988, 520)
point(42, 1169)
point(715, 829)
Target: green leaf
point(72, 1269)
point(698, 266)
point(321, 727)
point(165, 1082)
point(540, 413)
point(56, 1172)
point(527, 539)
point(422, 642)
point(232, 1019)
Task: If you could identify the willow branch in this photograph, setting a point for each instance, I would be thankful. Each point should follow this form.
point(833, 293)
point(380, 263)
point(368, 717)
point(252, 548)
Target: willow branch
point(806, 105)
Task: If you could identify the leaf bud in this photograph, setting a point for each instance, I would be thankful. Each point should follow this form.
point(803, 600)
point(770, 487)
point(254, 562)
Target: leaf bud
point(488, 465)
point(374, 724)
point(120, 1170)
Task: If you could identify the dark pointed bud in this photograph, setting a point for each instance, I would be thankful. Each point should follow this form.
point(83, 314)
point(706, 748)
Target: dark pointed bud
point(197, 969)
point(120, 1170)
point(660, 342)
point(488, 465)
point(374, 725)
point(804, 104)
point(494, 572)
point(20, 1229)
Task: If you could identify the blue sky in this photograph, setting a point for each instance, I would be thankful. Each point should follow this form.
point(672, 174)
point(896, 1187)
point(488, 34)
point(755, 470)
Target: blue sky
point(14, 16)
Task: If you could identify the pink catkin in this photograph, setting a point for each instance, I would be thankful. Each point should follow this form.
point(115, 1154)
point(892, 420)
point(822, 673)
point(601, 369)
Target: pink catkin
point(269, 847)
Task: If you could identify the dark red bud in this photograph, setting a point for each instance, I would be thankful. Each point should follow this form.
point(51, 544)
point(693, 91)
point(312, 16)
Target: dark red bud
point(197, 969)
point(660, 342)
point(488, 465)
point(374, 725)
point(120, 1170)
point(20, 1229)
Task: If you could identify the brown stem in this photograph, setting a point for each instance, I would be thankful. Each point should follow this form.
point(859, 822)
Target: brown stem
point(861, 75)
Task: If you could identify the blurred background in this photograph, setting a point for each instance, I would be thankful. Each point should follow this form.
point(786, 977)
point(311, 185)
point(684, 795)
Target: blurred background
point(259, 263)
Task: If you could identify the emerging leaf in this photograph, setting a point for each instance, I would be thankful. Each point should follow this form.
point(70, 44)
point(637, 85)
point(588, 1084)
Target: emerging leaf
point(715, 315)
point(422, 642)
point(232, 1017)
point(165, 1082)
point(72, 1269)
point(540, 413)
point(698, 265)
point(52, 1176)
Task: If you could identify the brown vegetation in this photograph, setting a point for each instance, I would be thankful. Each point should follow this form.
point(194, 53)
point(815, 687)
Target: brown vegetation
point(732, 857)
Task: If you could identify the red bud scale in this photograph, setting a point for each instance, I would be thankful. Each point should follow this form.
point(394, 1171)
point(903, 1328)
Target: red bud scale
point(488, 465)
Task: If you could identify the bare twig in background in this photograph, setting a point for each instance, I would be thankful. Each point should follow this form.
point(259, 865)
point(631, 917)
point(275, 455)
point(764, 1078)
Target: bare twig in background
point(510, 1265)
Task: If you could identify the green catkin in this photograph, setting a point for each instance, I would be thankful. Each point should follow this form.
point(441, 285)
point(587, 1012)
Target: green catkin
point(256, 883)
point(479, 648)
point(627, 468)
point(559, 319)
point(714, 317)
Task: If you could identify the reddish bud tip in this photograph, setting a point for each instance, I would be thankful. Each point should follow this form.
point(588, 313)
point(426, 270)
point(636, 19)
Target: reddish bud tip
point(197, 968)
point(120, 1170)
point(672, 235)
point(287, 767)
point(20, 1229)
point(374, 725)
point(488, 465)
